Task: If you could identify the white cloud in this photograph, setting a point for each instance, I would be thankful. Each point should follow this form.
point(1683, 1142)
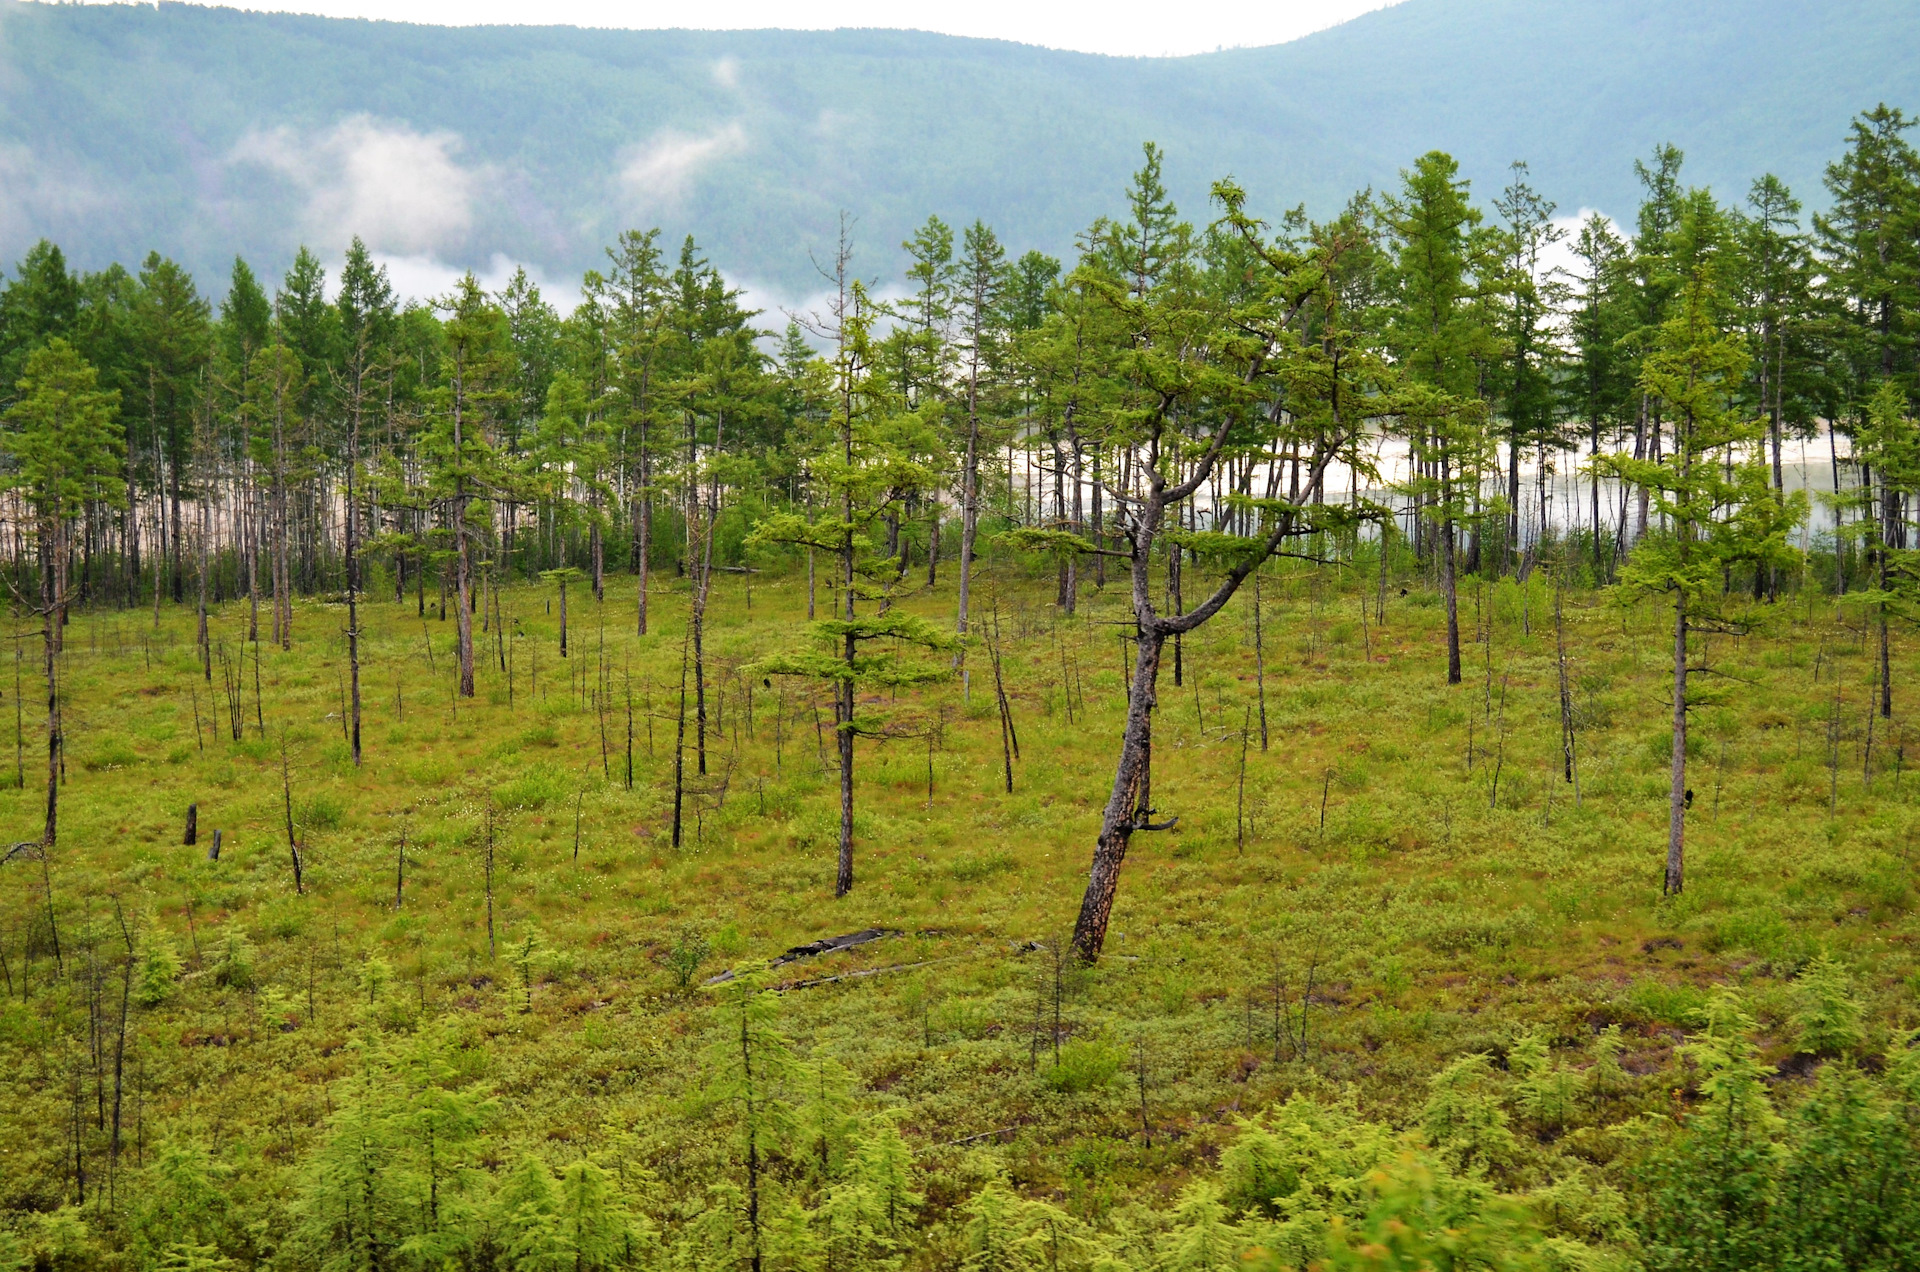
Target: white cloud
point(38, 197)
point(401, 190)
point(1559, 256)
point(663, 168)
point(726, 72)
point(425, 278)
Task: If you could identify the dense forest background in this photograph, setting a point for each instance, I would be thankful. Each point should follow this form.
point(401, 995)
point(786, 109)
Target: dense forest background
point(204, 132)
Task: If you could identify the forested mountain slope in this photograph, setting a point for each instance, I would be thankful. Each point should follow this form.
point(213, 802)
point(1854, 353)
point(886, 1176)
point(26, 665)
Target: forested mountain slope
point(193, 130)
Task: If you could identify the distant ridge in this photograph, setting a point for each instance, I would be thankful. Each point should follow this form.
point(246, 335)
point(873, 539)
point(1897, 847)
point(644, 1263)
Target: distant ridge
point(200, 132)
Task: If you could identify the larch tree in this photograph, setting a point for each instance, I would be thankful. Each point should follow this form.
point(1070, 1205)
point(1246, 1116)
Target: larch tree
point(62, 453)
point(1713, 495)
point(464, 465)
point(1528, 300)
point(366, 308)
point(535, 336)
point(638, 306)
point(1436, 335)
point(1888, 445)
point(241, 339)
point(1774, 295)
point(172, 330)
point(1870, 238)
point(725, 394)
point(1200, 370)
point(307, 338)
point(1598, 384)
point(980, 280)
point(751, 1063)
point(866, 470)
point(1652, 275)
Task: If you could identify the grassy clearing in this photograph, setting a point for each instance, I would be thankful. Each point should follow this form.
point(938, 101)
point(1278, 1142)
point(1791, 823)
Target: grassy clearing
point(1435, 915)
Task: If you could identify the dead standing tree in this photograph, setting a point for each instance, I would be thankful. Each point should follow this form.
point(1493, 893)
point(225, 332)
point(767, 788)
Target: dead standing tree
point(1266, 367)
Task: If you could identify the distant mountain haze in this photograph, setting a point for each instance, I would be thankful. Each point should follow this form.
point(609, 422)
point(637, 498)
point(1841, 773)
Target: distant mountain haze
point(1125, 28)
point(200, 132)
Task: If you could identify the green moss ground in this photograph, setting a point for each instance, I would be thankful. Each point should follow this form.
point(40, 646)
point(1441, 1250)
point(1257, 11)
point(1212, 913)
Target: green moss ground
point(1434, 918)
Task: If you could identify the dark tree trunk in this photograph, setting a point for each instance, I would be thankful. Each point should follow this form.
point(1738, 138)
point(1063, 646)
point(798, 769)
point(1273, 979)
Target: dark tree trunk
point(1677, 795)
point(1128, 804)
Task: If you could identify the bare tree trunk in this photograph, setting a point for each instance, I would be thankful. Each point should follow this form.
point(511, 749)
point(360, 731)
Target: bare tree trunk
point(643, 543)
point(200, 604)
point(282, 582)
point(160, 528)
point(843, 730)
point(463, 567)
point(969, 505)
point(596, 547)
point(1099, 526)
point(1640, 452)
point(1512, 545)
point(1677, 796)
point(1593, 456)
point(1128, 804)
point(50, 603)
point(1447, 588)
point(1889, 514)
point(702, 588)
point(680, 743)
point(933, 543)
point(251, 546)
point(353, 579)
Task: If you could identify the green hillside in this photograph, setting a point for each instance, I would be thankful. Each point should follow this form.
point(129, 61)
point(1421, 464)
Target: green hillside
point(196, 131)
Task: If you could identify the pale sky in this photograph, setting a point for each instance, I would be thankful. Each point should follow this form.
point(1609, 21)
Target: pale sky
point(1121, 27)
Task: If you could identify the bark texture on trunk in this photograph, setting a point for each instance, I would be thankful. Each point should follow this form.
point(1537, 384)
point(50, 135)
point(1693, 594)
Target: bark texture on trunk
point(1889, 521)
point(1677, 796)
point(643, 545)
point(1128, 803)
point(50, 601)
point(969, 516)
point(353, 582)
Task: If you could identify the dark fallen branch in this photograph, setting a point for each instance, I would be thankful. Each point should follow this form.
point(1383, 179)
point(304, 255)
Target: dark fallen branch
point(968, 1139)
point(825, 946)
point(856, 975)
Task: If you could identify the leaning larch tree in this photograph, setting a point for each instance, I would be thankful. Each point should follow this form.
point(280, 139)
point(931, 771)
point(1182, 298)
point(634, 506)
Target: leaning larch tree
point(1247, 357)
